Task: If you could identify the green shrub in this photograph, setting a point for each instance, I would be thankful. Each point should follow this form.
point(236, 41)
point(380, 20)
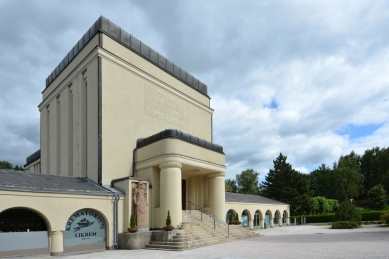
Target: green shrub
point(377, 197)
point(371, 215)
point(348, 212)
point(345, 224)
point(236, 217)
point(168, 220)
point(132, 221)
point(385, 217)
point(320, 218)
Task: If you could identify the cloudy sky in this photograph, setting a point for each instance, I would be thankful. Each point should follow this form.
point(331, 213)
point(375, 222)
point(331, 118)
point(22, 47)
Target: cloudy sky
point(309, 79)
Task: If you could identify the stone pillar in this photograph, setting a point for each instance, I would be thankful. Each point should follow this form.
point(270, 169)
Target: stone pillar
point(170, 189)
point(216, 194)
point(272, 221)
point(56, 243)
point(262, 223)
point(287, 221)
point(251, 224)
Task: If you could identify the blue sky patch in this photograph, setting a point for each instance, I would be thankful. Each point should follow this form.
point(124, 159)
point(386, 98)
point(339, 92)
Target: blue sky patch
point(272, 105)
point(358, 131)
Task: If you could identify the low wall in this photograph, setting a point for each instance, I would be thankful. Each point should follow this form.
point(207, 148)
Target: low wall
point(132, 241)
point(162, 236)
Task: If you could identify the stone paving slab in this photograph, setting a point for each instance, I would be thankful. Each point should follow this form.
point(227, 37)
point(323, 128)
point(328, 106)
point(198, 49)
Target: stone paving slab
point(307, 241)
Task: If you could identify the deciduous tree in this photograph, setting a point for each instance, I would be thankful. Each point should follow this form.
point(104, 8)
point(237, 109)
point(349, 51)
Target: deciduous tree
point(247, 182)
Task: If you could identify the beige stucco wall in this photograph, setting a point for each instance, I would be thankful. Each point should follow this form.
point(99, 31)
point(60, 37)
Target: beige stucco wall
point(139, 100)
point(56, 208)
point(69, 121)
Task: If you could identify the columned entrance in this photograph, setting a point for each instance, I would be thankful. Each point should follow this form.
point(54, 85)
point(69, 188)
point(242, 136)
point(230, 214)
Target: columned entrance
point(183, 193)
point(170, 186)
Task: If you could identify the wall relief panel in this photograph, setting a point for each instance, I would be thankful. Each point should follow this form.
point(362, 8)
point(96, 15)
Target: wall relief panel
point(167, 107)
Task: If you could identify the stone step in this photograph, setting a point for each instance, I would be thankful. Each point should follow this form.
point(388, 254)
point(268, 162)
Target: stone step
point(195, 232)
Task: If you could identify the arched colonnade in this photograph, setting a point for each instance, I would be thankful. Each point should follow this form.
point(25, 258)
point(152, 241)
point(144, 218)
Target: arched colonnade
point(256, 218)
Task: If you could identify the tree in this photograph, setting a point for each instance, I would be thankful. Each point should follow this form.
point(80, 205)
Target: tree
point(320, 204)
point(7, 165)
point(348, 212)
point(322, 182)
point(247, 182)
point(346, 177)
point(377, 197)
point(285, 184)
point(230, 186)
point(374, 169)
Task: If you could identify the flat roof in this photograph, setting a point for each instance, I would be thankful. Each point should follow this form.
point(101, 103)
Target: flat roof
point(238, 197)
point(26, 181)
point(178, 134)
point(103, 25)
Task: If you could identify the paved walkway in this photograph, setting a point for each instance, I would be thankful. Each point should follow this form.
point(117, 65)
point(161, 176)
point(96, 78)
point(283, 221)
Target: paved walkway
point(306, 241)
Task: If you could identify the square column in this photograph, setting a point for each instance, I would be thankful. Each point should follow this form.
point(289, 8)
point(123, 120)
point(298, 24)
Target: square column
point(170, 189)
point(216, 194)
point(56, 247)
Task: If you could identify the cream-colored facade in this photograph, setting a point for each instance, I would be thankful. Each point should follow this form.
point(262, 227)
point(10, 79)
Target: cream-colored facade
point(56, 208)
point(118, 113)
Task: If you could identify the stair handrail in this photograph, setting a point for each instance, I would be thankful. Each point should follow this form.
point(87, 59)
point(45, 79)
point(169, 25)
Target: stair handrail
point(211, 215)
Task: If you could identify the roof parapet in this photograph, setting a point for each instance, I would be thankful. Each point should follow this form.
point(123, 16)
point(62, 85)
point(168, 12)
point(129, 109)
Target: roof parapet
point(107, 27)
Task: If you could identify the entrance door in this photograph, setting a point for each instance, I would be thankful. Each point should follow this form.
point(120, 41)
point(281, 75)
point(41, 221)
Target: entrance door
point(256, 220)
point(183, 191)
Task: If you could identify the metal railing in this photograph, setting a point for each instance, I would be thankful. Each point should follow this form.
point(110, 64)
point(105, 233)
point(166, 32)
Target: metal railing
point(209, 214)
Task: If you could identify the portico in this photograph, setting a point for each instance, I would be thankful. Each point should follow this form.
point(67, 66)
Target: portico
point(181, 167)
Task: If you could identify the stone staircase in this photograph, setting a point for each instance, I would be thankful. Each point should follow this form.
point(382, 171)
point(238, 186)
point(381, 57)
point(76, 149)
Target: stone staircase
point(194, 233)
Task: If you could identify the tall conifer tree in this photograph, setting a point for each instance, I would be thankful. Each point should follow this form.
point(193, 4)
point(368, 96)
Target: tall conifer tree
point(285, 184)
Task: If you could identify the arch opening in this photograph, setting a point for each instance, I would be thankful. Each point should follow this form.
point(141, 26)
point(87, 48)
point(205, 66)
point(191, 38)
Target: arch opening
point(258, 217)
point(268, 218)
point(21, 220)
point(245, 218)
point(277, 217)
point(85, 230)
point(23, 231)
point(285, 217)
point(231, 212)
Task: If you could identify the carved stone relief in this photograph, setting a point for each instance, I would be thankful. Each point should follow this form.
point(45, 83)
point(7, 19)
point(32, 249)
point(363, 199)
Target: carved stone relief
point(165, 106)
point(139, 204)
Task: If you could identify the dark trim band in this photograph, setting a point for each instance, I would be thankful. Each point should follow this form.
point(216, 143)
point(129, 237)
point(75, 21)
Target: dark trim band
point(173, 133)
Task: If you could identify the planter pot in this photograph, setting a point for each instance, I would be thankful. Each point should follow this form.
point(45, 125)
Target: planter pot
point(236, 222)
point(168, 228)
point(132, 230)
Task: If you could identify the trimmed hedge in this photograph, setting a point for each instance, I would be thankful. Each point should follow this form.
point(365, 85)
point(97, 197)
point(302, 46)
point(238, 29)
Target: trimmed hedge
point(371, 215)
point(320, 218)
point(345, 224)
